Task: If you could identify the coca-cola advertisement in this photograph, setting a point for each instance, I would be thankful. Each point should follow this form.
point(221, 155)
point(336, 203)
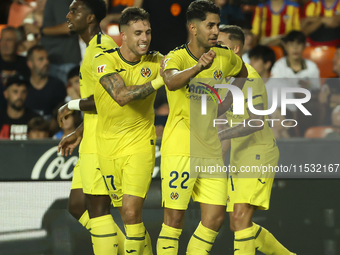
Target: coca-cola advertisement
point(40, 161)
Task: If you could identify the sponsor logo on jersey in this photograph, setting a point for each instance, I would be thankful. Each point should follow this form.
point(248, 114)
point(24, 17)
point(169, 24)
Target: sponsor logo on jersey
point(174, 195)
point(145, 72)
point(218, 75)
point(101, 69)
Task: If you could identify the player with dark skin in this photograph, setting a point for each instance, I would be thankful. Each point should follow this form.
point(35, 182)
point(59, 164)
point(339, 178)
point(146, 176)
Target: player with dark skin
point(82, 22)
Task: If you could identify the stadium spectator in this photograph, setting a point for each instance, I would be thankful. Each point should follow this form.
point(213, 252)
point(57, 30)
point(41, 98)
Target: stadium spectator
point(46, 92)
point(10, 62)
point(262, 58)
point(273, 19)
point(73, 85)
point(13, 120)
point(329, 96)
point(293, 65)
point(335, 124)
point(70, 123)
point(32, 24)
point(295, 71)
point(231, 12)
point(37, 128)
point(321, 22)
point(63, 49)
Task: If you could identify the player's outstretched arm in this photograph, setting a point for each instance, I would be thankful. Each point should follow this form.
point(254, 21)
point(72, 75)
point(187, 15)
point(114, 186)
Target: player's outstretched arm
point(71, 141)
point(244, 129)
point(175, 79)
point(115, 86)
point(84, 104)
point(239, 82)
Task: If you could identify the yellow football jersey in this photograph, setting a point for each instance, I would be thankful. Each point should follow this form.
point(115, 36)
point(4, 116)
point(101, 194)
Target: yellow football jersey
point(129, 129)
point(261, 141)
point(188, 132)
point(87, 81)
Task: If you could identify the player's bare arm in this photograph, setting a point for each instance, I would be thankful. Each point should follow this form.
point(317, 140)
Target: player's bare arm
point(115, 86)
point(84, 104)
point(244, 129)
point(175, 79)
point(71, 141)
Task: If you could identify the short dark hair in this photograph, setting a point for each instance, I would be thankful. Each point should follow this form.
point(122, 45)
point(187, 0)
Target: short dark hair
point(12, 29)
point(199, 9)
point(34, 48)
point(97, 7)
point(73, 72)
point(263, 52)
point(295, 36)
point(133, 14)
point(235, 32)
point(17, 79)
point(38, 123)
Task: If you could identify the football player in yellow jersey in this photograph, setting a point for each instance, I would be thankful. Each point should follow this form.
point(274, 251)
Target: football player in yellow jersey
point(250, 146)
point(92, 209)
point(184, 144)
point(125, 131)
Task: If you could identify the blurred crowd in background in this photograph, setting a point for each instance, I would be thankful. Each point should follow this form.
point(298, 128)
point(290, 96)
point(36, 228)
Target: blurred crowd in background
point(289, 43)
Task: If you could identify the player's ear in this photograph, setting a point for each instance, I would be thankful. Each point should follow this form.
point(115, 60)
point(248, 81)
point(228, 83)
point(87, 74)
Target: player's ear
point(237, 49)
point(91, 18)
point(192, 28)
point(123, 35)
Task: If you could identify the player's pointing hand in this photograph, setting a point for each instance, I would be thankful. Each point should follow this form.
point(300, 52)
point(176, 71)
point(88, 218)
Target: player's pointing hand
point(206, 60)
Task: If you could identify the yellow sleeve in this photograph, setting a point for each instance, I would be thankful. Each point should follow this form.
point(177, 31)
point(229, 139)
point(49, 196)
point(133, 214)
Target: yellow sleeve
point(257, 90)
point(232, 64)
point(173, 61)
point(103, 64)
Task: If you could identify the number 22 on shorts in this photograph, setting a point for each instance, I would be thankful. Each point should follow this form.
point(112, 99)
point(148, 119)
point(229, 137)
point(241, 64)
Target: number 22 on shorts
point(175, 175)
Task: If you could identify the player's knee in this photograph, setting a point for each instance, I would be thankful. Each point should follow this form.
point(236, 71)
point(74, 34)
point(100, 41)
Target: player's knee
point(132, 215)
point(213, 222)
point(76, 209)
point(175, 219)
point(238, 222)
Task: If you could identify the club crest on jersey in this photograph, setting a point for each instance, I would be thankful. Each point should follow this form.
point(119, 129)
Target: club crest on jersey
point(218, 75)
point(101, 69)
point(145, 72)
point(114, 197)
point(174, 195)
